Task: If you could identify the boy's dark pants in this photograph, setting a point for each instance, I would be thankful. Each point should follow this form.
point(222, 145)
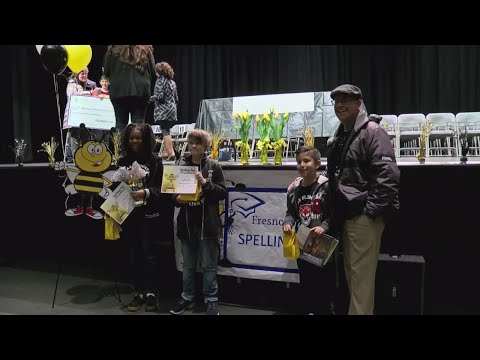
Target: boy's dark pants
point(317, 287)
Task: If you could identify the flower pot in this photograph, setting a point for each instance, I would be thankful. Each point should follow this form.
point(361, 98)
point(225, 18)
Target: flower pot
point(278, 155)
point(264, 155)
point(244, 153)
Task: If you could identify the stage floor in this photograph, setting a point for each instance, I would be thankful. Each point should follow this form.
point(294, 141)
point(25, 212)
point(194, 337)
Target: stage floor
point(27, 289)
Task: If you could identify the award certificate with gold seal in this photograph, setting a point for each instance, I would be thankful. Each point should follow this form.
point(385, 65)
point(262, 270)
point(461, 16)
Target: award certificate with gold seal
point(119, 204)
point(179, 179)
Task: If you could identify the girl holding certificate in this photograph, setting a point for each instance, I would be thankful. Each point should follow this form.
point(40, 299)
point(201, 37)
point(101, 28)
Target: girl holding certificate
point(146, 222)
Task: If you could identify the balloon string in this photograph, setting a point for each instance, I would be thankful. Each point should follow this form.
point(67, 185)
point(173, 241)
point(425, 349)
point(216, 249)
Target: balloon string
point(60, 123)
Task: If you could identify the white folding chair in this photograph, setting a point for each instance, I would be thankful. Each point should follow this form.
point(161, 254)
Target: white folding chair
point(469, 123)
point(441, 140)
point(389, 123)
point(409, 128)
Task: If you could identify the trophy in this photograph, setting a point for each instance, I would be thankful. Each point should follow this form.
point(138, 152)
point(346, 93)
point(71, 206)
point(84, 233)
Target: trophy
point(170, 185)
point(426, 128)
point(50, 148)
point(116, 137)
point(307, 135)
point(464, 146)
point(19, 151)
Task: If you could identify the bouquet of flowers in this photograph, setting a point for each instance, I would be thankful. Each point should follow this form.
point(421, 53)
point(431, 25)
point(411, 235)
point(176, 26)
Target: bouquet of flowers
point(132, 176)
point(264, 130)
point(244, 122)
point(277, 132)
point(277, 128)
point(50, 149)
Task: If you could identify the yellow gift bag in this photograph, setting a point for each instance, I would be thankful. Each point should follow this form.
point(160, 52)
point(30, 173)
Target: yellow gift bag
point(192, 197)
point(111, 229)
point(290, 246)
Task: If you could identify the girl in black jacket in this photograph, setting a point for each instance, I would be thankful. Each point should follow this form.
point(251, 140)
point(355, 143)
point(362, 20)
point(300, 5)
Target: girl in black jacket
point(145, 222)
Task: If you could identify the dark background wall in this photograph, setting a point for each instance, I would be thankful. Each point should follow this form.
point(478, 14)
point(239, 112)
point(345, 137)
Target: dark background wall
point(395, 79)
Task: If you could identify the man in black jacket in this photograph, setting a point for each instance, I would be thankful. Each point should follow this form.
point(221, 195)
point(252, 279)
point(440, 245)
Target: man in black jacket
point(364, 182)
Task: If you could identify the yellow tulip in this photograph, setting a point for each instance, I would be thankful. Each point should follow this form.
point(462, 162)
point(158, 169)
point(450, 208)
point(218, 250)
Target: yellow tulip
point(257, 118)
point(235, 115)
point(286, 115)
point(266, 117)
point(276, 116)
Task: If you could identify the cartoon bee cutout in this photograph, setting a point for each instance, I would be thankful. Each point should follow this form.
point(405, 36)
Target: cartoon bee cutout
point(90, 177)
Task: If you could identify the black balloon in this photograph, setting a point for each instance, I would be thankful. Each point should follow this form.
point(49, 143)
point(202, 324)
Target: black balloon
point(54, 58)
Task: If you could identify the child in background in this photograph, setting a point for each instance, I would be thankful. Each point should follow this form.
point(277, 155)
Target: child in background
point(103, 92)
point(307, 205)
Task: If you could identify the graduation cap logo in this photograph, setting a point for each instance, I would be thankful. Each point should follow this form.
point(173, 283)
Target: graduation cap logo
point(245, 204)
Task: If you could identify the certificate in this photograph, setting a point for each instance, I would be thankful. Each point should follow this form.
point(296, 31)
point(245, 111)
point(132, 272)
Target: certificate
point(179, 179)
point(94, 112)
point(119, 204)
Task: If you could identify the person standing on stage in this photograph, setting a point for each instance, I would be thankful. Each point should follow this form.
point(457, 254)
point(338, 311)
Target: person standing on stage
point(165, 97)
point(130, 69)
point(78, 84)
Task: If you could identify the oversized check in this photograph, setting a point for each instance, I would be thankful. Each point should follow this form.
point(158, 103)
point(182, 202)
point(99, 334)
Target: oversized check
point(94, 112)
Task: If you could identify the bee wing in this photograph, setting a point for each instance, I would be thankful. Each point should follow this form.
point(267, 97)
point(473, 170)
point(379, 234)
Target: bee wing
point(72, 172)
point(107, 178)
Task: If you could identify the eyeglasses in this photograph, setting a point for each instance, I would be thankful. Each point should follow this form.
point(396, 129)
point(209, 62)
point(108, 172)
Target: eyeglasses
point(343, 100)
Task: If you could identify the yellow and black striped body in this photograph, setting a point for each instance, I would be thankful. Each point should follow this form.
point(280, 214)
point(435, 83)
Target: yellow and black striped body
point(88, 182)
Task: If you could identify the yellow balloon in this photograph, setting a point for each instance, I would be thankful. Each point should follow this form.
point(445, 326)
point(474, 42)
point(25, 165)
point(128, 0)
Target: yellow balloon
point(79, 56)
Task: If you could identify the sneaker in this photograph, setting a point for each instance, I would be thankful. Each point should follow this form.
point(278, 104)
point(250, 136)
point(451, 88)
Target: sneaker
point(94, 214)
point(136, 303)
point(151, 303)
point(74, 212)
point(212, 308)
point(181, 306)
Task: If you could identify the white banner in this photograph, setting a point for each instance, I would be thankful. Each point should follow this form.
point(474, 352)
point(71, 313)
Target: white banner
point(259, 104)
point(94, 112)
point(253, 242)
